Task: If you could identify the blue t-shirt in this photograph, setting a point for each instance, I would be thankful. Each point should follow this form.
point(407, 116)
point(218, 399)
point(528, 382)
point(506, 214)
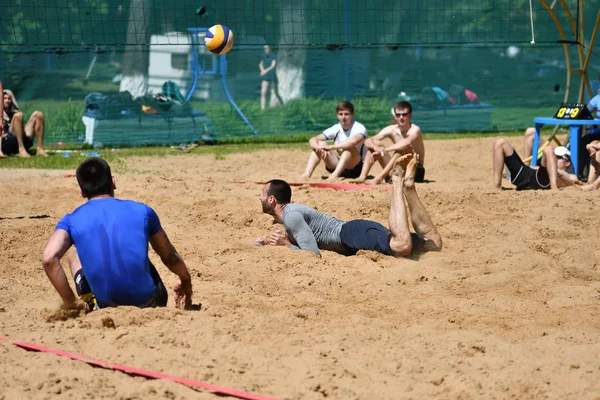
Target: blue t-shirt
point(111, 238)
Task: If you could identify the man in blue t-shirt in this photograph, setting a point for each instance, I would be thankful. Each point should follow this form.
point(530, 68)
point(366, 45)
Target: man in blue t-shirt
point(111, 265)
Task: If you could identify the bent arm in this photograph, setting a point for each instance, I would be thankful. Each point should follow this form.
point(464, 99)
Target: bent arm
point(348, 144)
point(272, 66)
point(317, 141)
point(568, 179)
point(373, 143)
point(169, 256)
point(401, 143)
point(57, 246)
point(299, 230)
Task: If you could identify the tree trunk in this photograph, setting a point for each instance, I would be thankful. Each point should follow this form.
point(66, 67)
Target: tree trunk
point(135, 64)
point(291, 57)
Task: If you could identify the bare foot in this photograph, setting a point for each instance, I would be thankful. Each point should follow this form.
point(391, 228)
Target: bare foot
point(41, 152)
point(400, 166)
point(586, 188)
point(303, 177)
point(2, 155)
point(358, 180)
point(374, 181)
point(24, 154)
point(411, 170)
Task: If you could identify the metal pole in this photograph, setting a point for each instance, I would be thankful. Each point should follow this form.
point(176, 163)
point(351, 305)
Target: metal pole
point(347, 80)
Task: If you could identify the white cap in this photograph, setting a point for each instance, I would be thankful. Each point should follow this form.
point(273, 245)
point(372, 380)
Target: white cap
point(562, 151)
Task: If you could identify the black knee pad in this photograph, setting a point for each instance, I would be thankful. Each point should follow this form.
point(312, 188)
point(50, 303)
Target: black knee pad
point(81, 284)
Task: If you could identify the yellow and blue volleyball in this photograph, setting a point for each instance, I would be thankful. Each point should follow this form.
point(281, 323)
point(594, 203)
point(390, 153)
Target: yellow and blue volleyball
point(219, 39)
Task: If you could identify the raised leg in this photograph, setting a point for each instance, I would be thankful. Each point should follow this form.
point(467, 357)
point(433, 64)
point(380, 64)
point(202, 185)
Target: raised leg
point(501, 149)
point(400, 240)
point(264, 88)
point(364, 172)
point(420, 218)
point(386, 170)
point(313, 161)
point(347, 160)
point(536, 144)
point(550, 162)
point(36, 126)
point(528, 142)
point(16, 128)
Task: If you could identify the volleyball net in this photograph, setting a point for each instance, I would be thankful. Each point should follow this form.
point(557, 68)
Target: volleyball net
point(465, 66)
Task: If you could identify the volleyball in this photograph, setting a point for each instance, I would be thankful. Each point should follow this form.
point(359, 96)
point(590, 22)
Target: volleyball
point(219, 39)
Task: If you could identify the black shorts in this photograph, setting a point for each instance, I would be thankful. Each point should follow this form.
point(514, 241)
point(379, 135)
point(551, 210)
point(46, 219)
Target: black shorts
point(158, 299)
point(525, 177)
point(420, 174)
point(10, 145)
point(350, 173)
point(363, 234)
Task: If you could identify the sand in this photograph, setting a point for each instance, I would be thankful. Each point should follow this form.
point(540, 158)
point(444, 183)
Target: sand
point(509, 309)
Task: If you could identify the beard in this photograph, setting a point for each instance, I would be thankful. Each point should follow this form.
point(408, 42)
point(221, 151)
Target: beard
point(265, 207)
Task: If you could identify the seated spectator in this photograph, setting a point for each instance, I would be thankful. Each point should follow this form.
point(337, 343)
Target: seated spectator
point(16, 138)
point(344, 158)
point(550, 174)
point(406, 138)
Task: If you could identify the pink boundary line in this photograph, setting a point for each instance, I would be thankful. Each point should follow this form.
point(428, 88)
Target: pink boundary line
point(137, 371)
point(335, 186)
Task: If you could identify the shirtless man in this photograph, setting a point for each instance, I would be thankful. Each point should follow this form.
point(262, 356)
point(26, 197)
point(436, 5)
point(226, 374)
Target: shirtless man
point(406, 138)
point(310, 230)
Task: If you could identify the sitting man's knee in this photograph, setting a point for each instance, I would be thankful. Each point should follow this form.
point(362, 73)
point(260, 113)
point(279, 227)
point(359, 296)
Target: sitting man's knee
point(529, 132)
point(38, 115)
point(18, 116)
point(500, 142)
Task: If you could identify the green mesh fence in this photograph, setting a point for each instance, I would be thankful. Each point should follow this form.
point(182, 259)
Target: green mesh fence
point(71, 60)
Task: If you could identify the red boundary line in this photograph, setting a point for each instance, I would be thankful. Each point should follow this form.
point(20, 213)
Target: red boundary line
point(334, 186)
point(137, 371)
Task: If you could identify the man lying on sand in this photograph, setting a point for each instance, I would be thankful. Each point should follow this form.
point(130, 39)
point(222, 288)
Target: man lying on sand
point(310, 230)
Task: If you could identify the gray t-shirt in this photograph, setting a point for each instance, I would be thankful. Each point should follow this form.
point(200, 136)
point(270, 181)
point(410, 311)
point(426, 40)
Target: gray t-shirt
point(309, 229)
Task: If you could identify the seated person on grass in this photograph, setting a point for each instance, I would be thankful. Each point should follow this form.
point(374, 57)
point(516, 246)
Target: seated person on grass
point(16, 138)
point(550, 175)
point(406, 138)
point(310, 230)
point(344, 158)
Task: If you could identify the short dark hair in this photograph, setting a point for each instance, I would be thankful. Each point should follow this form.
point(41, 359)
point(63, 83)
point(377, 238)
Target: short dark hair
point(281, 190)
point(403, 105)
point(345, 105)
point(94, 177)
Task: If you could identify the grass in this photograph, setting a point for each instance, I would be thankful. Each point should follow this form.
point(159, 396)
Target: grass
point(63, 122)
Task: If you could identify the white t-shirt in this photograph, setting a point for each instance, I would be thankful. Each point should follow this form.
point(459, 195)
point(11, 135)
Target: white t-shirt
point(338, 135)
